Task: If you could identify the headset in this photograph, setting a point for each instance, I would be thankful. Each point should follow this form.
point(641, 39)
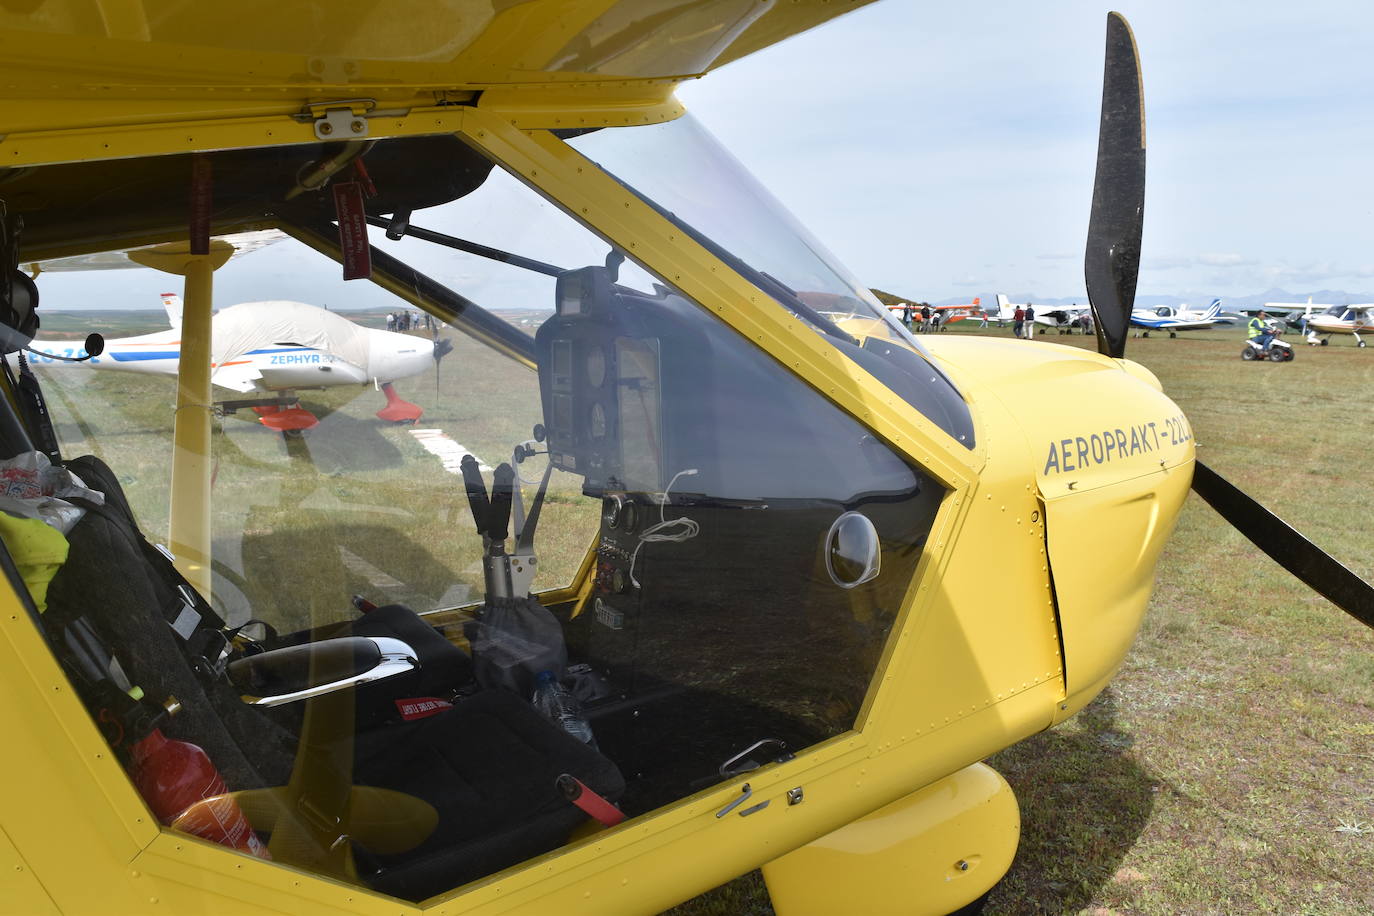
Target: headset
point(18, 293)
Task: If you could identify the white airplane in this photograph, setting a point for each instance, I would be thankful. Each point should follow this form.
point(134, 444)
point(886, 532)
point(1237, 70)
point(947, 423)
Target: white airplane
point(1051, 316)
point(272, 348)
point(1334, 319)
point(1171, 319)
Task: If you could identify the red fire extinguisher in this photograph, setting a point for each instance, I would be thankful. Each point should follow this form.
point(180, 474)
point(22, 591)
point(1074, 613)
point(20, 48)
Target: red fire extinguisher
point(174, 776)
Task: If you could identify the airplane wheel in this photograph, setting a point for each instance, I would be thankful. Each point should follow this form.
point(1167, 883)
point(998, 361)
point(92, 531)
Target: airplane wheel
point(1360, 344)
point(1144, 333)
point(1325, 341)
point(1173, 334)
point(1248, 354)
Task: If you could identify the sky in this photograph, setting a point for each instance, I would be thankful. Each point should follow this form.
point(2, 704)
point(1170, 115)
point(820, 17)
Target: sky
point(947, 150)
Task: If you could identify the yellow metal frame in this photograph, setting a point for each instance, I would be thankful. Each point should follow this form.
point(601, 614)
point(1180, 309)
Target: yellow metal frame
point(154, 130)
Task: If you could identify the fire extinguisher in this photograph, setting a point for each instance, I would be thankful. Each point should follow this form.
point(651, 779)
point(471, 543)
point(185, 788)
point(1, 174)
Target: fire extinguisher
point(181, 784)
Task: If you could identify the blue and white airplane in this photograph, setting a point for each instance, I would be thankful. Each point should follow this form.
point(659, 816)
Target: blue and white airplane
point(1173, 320)
point(273, 348)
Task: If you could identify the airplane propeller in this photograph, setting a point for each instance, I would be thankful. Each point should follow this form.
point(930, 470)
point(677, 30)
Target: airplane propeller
point(442, 347)
point(1111, 265)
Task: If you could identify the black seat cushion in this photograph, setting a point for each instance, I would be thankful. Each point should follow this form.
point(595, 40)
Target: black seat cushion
point(489, 767)
point(443, 666)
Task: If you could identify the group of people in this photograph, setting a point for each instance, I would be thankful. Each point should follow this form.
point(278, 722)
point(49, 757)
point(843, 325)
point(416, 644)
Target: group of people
point(409, 321)
point(1023, 322)
point(929, 318)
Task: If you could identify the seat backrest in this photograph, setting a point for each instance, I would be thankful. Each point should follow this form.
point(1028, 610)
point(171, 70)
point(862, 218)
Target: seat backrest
point(121, 591)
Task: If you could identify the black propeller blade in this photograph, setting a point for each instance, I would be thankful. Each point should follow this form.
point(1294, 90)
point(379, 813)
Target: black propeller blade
point(442, 347)
point(1286, 546)
point(1111, 265)
point(1112, 260)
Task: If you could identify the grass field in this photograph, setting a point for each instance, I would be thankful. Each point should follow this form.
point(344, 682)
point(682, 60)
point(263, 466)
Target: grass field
point(1228, 769)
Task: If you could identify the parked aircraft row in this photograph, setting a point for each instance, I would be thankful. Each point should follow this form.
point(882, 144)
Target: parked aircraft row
point(1320, 320)
point(1158, 318)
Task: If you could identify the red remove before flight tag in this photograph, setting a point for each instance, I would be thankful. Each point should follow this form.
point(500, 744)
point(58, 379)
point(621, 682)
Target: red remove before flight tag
point(421, 707)
point(353, 244)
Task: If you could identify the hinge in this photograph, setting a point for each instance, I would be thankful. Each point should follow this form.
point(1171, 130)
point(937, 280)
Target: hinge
point(341, 119)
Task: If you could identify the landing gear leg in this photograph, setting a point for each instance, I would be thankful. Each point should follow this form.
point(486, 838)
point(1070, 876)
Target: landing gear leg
point(398, 410)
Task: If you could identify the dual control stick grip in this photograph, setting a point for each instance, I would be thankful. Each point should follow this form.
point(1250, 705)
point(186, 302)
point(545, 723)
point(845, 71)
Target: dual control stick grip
point(492, 517)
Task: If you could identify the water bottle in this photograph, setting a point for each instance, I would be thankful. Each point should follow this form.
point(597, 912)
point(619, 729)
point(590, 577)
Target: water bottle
point(553, 700)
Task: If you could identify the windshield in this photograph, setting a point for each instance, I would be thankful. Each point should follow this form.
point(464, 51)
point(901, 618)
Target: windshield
point(517, 508)
point(683, 172)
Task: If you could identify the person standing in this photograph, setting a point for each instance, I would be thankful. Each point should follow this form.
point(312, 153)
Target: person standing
point(1018, 320)
point(1030, 321)
point(925, 318)
point(906, 315)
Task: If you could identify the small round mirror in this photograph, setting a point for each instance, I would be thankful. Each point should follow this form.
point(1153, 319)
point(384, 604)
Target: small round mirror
point(851, 550)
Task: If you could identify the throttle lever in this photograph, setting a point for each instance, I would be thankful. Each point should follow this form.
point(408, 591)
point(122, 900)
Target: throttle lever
point(477, 493)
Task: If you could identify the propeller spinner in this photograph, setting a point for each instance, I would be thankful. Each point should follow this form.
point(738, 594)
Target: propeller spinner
point(1111, 266)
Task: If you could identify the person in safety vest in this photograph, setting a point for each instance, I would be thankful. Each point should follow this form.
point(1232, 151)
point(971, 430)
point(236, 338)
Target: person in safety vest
point(1259, 327)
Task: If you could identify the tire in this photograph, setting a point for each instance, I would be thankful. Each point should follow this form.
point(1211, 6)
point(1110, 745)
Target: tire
point(1360, 344)
point(1325, 341)
point(1289, 357)
point(1248, 354)
point(1278, 355)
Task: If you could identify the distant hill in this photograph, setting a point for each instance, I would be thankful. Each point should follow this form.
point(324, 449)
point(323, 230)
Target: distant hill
point(887, 298)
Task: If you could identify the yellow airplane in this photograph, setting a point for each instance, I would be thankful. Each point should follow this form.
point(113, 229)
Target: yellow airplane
point(759, 630)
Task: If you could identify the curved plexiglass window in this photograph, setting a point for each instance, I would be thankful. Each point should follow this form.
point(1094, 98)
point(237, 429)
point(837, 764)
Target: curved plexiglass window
point(684, 173)
point(561, 521)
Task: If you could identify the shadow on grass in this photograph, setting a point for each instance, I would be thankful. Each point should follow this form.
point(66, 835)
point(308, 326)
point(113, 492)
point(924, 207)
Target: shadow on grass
point(345, 445)
point(340, 444)
point(1084, 802)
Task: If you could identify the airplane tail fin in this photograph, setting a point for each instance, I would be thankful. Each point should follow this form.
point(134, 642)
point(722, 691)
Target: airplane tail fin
point(1214, 309)
point(172, 303)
